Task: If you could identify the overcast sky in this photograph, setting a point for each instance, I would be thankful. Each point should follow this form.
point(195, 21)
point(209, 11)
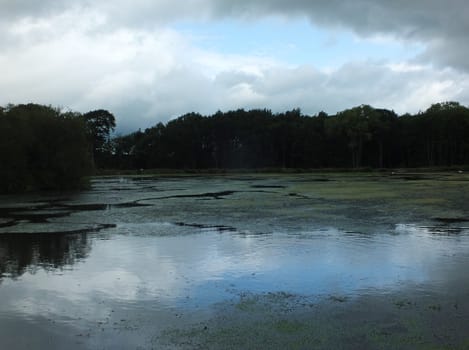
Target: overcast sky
point(152, 60)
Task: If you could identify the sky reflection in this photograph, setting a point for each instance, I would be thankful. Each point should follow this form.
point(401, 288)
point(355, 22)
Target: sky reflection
point(208, 267)
point(150, 264)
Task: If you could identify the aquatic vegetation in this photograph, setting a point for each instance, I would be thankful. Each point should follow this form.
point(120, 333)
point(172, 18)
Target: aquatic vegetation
point(248, 261)
point(338, 299)
point(367, 322)
point(404, 304)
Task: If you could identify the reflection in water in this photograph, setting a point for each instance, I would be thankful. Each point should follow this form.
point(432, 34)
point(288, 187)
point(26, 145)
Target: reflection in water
point(196, 265)
point(170, 257)
point(439, 230)
point(26, 252)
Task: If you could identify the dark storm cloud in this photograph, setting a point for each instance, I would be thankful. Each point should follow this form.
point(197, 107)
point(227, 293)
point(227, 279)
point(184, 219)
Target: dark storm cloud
point(407, 19)
point(14, 9)
point(422, 19)
point(441, 26)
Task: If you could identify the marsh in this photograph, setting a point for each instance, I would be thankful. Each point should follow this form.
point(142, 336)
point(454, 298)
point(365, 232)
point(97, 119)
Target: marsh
point(322, 260)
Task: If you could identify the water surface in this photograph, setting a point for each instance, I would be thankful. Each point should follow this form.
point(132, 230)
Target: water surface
point(187, 262)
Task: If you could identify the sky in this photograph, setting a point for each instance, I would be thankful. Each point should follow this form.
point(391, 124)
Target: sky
point(148, 61)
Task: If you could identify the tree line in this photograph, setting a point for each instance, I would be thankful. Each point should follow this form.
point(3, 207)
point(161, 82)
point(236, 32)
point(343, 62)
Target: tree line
point(44, 148)
point(358, 137)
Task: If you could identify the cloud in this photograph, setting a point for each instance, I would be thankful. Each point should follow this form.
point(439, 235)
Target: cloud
point(128, 57)
point(441, 26)
point(145, 76)
point(13, 9)
point(398, 87)
point(419, 18)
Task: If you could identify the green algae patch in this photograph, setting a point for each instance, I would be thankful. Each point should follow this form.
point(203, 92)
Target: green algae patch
point(287, 326)
point(218, 262)
point(282, 320)
point(250, 304)
point(266, 203)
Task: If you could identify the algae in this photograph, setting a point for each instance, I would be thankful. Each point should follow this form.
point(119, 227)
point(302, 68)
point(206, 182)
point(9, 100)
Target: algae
point(365, 323)
point(297, 261)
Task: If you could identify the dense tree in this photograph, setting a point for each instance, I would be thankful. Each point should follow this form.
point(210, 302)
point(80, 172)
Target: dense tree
point(383, 126)
point(447, 125)
point(437, 137)
point(42, 148)
point(361, 136)
point(100, 123)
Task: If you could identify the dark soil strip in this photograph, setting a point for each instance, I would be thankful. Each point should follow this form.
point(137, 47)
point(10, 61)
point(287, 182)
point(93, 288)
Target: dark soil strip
point(9, 224)
point(268, 186)
point(213, 195)
point(37, 218)
point(451, 220)
point(130, 205)
point(87, 207)
point(220, 228)
point(298, 195)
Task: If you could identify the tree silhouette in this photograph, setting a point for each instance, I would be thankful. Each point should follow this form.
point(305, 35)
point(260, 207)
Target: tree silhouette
point(100, 123)
point(42, 148)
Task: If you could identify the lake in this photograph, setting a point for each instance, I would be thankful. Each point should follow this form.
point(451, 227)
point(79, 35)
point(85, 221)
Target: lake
point(300, 261)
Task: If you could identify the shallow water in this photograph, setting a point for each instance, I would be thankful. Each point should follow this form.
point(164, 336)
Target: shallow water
point(136, 259)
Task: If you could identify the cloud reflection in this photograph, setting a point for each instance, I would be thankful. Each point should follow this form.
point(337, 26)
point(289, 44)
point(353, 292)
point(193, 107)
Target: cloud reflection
point(207, 267)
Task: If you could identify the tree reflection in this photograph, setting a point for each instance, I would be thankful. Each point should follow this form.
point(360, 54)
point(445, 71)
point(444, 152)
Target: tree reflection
point(20, 252)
